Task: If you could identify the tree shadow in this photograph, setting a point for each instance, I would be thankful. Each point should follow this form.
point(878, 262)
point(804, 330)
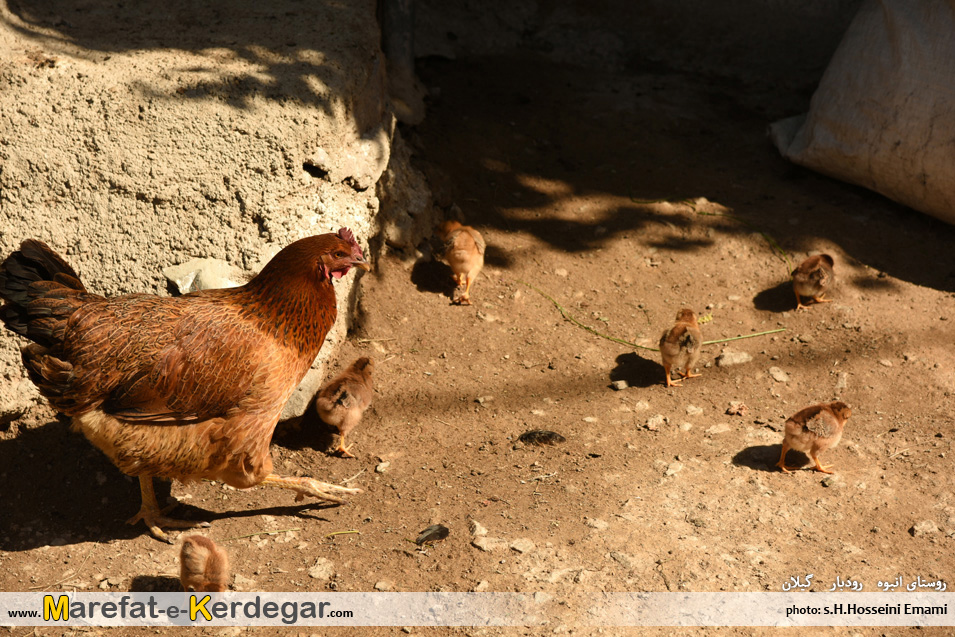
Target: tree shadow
point(637, 370)
point(779, 298)
point(278, 51)
point(765, 457)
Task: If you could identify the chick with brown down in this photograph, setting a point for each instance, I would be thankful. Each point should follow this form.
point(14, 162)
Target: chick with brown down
point(680, 346)
point(813, 430)
point(203, 565)
point(187, 387)
point(344, 400)
point(463, 250)
point(813, 278)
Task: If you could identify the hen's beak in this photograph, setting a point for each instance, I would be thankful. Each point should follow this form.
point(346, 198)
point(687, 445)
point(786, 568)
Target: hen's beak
point(359, 262)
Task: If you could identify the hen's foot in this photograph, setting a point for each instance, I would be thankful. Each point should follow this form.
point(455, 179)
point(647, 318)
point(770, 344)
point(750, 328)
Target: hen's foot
point(154, 517)
point(309, 486)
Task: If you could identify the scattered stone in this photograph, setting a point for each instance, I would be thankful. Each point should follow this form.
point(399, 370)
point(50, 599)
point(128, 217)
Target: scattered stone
point(655, 422)
point(483, 399)
point(382, 467)
point(673, 468)
point(243, 583)
point(561, 272)
point(718, 429)
point(488, 544)
point(926, 527)
point(481, 586)
point(736, 408)
point(384, 585)
point(778, 375)
point(842, 381)
point(590, 419)
point(885, 362)
point(619, 384)
point(641, 405)
point(685, 426)
point(827, 481)
point(434, 533)
point(910, 357)
point(596, 523)
point(477, 529)
point(729, 358)
point(541, 437)
point(202, 274)
point(693, 410)
point(540, 597)
point(523, 545)
point(623, 560)
point(323, 569)
point(804, 338)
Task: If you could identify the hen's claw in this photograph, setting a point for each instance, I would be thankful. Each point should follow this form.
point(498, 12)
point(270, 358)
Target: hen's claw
point(309, 486)
point(154, 517)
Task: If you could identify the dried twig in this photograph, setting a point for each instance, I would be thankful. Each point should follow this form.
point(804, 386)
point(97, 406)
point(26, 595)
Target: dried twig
point(70, 573)
point(242, 537)
point(353, 477)
point(342, 533)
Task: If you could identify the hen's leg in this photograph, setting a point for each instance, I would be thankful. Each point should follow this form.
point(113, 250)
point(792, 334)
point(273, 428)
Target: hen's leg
point(308, 486)
point(782, 458)
point(152, 515)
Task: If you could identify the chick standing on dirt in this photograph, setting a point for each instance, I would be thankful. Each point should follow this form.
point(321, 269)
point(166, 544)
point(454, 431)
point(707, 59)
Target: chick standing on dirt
point(342, 402)
point(464, 251)
point(813, 430)
point(680, 346)
point(203, 565)
point(813, 278)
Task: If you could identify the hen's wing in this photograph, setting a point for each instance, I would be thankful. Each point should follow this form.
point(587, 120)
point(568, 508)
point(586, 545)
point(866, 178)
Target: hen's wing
point(182, 360)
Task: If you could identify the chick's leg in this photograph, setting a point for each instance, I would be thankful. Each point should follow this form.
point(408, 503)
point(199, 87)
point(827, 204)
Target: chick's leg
point(309, 486)
point(799, 305)
point(670, 383)
point(819, 299)
point(152, 515)
point(819, 466)
point(342, 449)
point(782, 458)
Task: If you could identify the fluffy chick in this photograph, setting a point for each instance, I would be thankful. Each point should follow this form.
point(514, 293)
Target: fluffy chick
point(680, 346)
point(813, 278)
point(813, 430)
point(463, 250)
point(342, 402)
point(203, 565)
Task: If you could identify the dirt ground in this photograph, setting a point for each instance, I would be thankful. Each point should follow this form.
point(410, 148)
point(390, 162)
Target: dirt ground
point(624, 196)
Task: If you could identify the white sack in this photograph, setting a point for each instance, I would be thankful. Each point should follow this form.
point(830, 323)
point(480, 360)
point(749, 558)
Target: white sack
point(883, 115)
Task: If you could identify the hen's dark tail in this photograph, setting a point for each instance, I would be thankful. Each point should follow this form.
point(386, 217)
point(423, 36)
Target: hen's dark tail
point(40, 291)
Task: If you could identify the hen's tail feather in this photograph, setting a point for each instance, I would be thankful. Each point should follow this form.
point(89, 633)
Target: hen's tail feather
point(40, 290)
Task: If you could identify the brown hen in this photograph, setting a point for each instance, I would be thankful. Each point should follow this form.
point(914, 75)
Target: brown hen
point(344, 400)
point(464, 251)
point(187, 387)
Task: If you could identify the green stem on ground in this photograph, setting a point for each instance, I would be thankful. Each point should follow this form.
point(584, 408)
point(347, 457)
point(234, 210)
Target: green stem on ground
point(568, 317)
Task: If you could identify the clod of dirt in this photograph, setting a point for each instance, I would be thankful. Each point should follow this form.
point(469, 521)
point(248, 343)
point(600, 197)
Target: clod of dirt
point(541, 437)
point(434, 533)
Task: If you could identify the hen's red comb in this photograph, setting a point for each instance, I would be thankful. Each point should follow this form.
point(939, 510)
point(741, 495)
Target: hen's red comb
point(347, 235)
